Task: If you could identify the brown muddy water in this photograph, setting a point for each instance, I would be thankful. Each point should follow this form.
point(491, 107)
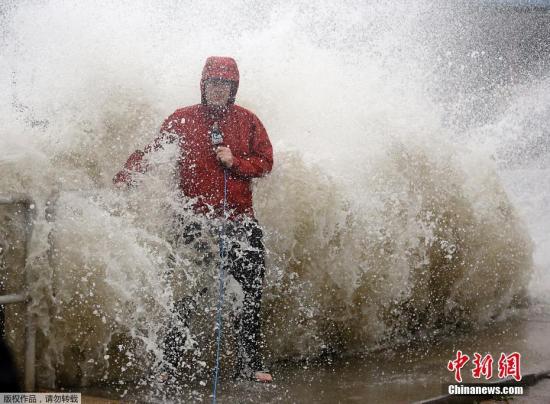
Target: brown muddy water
point(398, 196)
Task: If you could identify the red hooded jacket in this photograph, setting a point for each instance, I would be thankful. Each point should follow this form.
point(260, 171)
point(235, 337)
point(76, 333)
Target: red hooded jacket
point(201, 174)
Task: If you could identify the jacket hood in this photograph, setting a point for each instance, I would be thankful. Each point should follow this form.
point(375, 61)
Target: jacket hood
point(218, 67)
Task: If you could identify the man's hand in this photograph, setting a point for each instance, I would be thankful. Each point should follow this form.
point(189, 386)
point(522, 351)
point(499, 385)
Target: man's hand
point(224, 155)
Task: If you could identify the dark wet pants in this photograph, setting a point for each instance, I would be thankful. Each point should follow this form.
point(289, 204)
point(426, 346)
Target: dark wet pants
point(245, 261)
point(247, 266)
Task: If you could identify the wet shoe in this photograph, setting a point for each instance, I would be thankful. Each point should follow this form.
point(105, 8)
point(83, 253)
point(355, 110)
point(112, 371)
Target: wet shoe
point(263, 377)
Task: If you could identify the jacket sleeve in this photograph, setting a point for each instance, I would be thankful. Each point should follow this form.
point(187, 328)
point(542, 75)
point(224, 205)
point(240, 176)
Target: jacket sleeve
point(260, 160)
point(137, 162)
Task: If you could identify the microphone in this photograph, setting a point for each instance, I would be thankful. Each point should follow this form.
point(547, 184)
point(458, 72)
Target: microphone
point(216, 135)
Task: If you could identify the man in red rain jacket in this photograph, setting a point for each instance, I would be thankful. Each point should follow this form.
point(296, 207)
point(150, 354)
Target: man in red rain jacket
point(216, 136)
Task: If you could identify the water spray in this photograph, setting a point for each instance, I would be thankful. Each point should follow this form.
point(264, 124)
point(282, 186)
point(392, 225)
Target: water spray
point(216, 136)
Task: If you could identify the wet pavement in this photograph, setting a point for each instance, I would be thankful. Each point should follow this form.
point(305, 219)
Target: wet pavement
point(402, 374)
